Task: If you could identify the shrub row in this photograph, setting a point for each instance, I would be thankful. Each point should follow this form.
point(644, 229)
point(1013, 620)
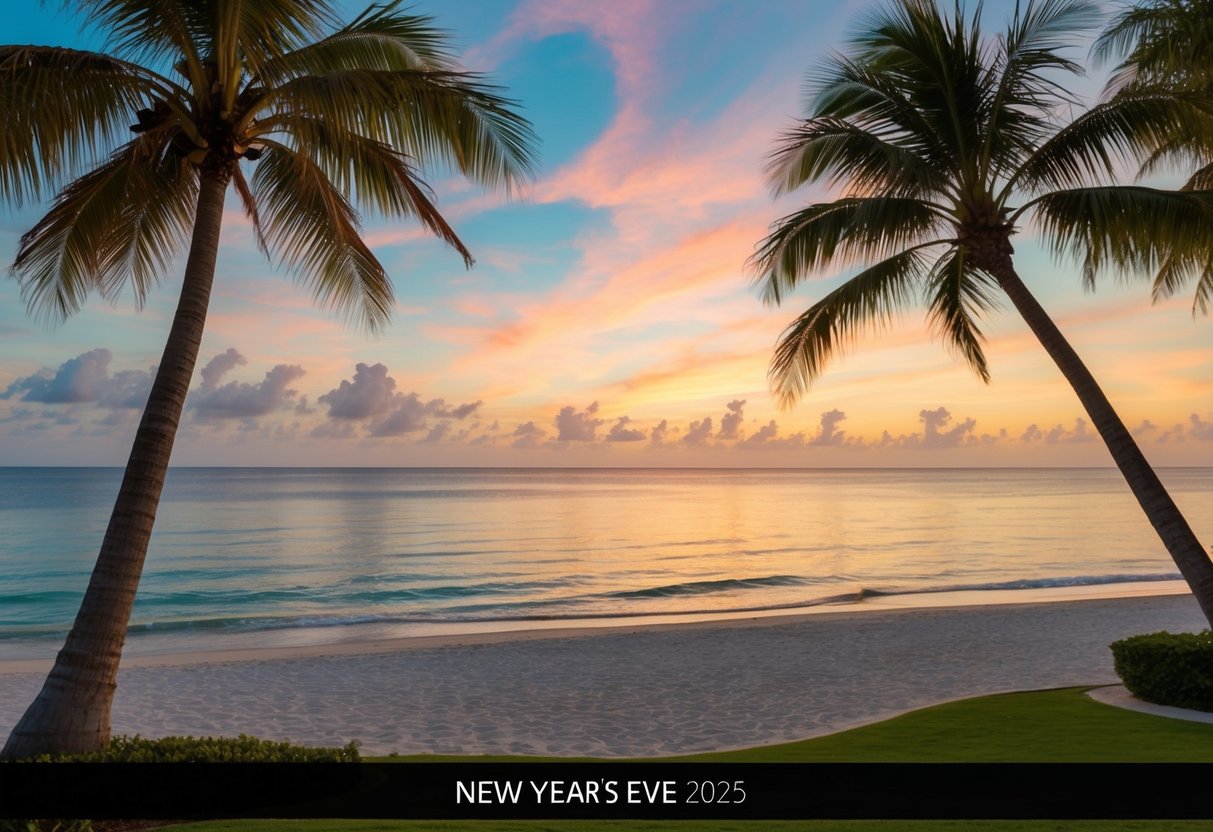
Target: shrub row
point(1168, 668)
point(241, 749)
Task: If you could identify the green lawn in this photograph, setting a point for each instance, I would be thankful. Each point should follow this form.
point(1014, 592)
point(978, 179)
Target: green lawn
point(1052, 726)
point(1039, 726)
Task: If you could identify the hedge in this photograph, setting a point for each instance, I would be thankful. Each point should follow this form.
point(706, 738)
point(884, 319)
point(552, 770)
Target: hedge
point(1168, 668)
point(241, 749)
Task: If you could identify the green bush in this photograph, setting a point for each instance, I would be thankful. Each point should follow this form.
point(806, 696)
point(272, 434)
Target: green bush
point(242, 749)
point(1168, 668)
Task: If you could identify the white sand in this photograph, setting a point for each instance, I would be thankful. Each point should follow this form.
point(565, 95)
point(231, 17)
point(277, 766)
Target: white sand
point(637, 691)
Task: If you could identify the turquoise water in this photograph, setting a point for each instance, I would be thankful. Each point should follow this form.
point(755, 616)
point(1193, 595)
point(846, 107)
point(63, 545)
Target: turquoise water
point(296, 555)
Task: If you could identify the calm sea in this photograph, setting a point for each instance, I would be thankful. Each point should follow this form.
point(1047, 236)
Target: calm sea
point(243, 557)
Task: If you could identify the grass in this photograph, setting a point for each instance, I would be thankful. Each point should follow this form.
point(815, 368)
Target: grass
point(1052, 726)
point(1039, 726)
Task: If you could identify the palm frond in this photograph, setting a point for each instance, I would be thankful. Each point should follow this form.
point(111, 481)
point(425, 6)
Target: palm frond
point(1161, 41)
point(61, 108)
point(843, 153)
point(249, 203)
point(937, 62)
point(452, 118)
point(276, 27)
point(122, 222)
point(874, 101)
point(1175, 273)
point(1050, 26)
point(250, 34)
point(1026, 76)
point(957, 295)
point(848, 230)
point(1126, 127)
point(1177, 150)
point(868, 301)
point(375, 175)
point(152, 32)
point(1134, 230)
point(382, 38)
point(313, 228)
point(1203, 296)
point(1201, 180)
point(1129, 26)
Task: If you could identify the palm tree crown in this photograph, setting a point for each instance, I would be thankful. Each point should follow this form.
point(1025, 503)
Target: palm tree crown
point(945, 143)
point(335, 118)
point(1167, 46)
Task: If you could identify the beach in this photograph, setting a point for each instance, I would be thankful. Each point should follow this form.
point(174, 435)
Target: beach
point(629, 691)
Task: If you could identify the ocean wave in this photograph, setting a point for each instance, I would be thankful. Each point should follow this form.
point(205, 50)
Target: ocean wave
point(706, 587)
point(1026, 583)
point(583, 608)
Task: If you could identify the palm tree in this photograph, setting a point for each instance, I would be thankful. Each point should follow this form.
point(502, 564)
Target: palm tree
point(335, 116)
point(1162, 42)
point(945, 142)
point(1167, 45)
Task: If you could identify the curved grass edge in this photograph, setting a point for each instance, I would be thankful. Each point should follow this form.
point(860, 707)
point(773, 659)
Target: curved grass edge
point(1059, 725)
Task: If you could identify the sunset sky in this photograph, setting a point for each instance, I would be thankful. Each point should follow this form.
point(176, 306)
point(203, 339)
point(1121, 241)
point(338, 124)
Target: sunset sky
point(610, 318)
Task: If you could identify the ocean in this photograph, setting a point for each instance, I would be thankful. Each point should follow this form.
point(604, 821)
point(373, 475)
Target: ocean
point(279, 557)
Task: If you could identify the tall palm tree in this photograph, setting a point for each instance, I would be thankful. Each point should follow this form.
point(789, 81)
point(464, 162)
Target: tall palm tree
point(335, 117)
point(1167, 45)
point(945, 143)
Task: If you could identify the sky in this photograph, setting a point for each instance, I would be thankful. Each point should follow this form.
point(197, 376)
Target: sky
point(610, 318)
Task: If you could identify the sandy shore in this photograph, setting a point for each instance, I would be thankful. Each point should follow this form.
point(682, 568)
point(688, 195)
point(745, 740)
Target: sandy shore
point(626, 691)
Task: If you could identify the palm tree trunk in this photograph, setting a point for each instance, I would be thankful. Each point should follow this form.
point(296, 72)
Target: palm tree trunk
point(72, 712)
point(1191, 558)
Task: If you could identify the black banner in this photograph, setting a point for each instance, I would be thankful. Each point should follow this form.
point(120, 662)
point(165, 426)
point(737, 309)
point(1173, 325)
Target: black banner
point(739, 791)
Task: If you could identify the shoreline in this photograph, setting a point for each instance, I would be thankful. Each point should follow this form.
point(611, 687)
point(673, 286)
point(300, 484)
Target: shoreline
point(372, 638)
point(631, 691)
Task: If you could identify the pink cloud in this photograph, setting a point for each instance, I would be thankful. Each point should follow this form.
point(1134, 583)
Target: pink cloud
point(578, 426)
point(631, 30)
point(620, 432)
point(730, 423)
point(830, 434)
point(686, 203)
point(699, 432)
